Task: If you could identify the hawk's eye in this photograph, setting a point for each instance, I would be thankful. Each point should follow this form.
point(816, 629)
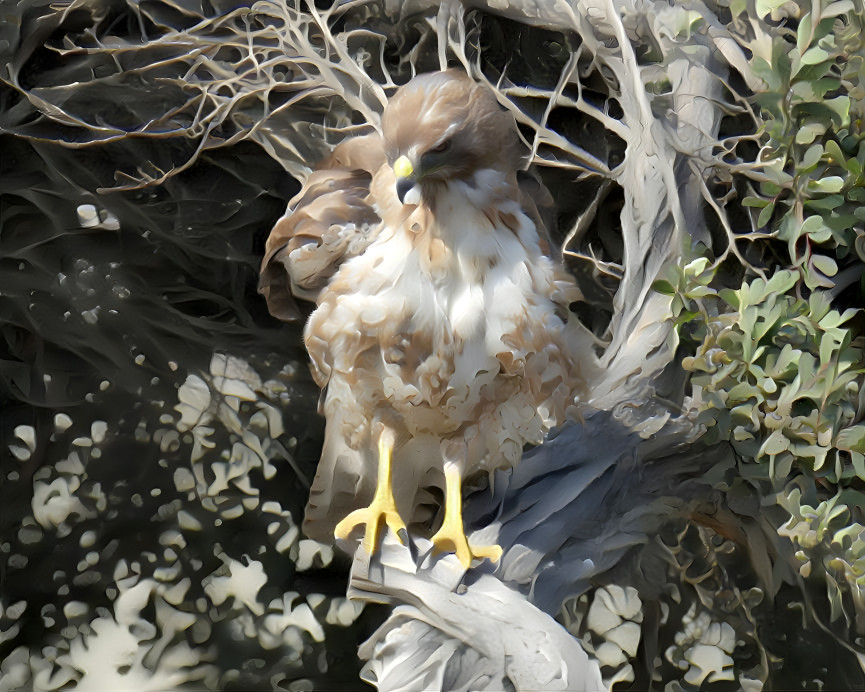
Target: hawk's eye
point(441, 147)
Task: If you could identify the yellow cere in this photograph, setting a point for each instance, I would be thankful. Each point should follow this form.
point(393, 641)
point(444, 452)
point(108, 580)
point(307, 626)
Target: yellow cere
point(402, 167)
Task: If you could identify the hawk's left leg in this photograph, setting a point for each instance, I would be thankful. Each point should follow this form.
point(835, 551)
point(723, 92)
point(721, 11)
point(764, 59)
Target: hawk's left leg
point(451, 537)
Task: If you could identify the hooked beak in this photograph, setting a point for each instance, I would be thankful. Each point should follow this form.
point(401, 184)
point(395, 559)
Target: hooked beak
point(405, 178)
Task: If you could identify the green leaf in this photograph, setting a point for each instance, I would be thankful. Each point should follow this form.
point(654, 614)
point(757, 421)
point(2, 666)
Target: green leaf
point(769, 189)
point(768, 385)
point(685, 317)
point(852, 439)
point(830, 510)
point(826, 84)
point(781, 281)
point(696, 266)
point(821, 236)
point(858, 463)
point(841, 106)
point(777, 366)
point(730, 297)
point(824, 264)
point(783, 465)
point(814, 55)
point(834, 319)
point(741, 392)
point(809, 132)
point(832, 183)
point(774, 444)
point(835, 154)
point(819, 454)
point(856, 194)
point(765, 215)
point(808, 75)
point(765, 72)
point(817, 271)
point(819, 304)
point(828, 346)
point(812, 156)
point(840, 222)
point(824, 203)
point(768, 321)
point(823, 33)
point(664, 287)
point(700, 292)
point(789, 229)
point(781, 58)
point(740, 434)
point(817, 232)
point(758, 202)
point(836, 604)
point(829, 111)
point(849, 534)
point(803, 33)
point(764, 7)
point(833, 9)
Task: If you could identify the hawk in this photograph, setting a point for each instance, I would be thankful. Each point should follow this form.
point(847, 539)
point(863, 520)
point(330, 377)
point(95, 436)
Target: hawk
point(439, 332)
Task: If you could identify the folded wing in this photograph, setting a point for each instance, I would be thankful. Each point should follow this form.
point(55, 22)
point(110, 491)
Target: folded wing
point(330, 220)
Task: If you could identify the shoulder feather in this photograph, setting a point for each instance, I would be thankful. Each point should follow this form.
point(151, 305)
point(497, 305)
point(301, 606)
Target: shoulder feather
point(330, 220)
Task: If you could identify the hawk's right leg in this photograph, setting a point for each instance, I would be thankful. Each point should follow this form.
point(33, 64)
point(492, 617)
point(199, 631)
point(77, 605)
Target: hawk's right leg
point(383, 505)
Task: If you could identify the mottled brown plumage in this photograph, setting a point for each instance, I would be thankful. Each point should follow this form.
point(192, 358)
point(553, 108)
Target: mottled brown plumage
point(438, 336)
point(331, 219)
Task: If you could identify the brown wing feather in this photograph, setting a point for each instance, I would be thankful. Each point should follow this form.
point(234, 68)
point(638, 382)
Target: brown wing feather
point(331, 219)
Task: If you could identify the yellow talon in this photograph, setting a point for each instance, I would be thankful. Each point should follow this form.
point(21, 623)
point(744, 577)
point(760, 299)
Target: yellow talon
point(451, 537)
point(382, 507)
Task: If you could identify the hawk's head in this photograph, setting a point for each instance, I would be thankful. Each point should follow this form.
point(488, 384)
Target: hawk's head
point(442, 126)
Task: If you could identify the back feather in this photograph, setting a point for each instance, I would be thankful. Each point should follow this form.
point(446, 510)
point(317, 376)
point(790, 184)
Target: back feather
point(330, 220)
